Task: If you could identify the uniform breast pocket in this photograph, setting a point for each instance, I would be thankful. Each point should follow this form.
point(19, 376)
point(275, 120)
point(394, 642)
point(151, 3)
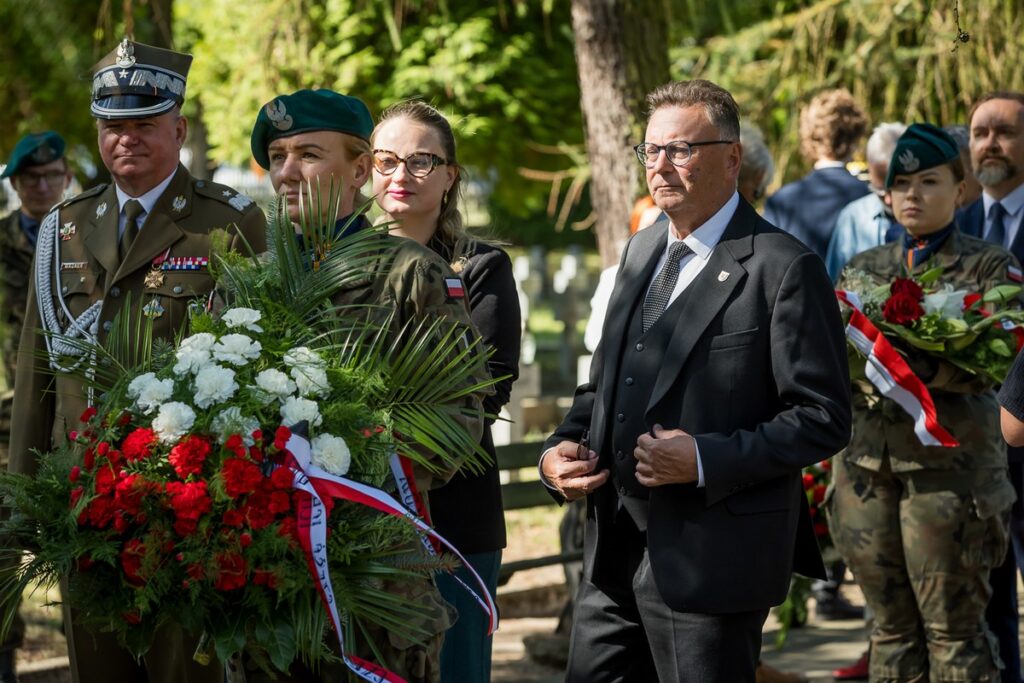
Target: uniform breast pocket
point(169, 303)
point(733, 340)
point(78, 289)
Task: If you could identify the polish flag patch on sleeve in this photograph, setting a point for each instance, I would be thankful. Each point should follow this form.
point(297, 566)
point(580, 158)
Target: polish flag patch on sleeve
point(455, 290)
point(1014, 274)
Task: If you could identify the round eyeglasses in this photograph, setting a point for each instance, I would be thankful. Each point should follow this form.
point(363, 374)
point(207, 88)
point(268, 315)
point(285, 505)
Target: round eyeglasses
point(678, 151)
point(418, 164)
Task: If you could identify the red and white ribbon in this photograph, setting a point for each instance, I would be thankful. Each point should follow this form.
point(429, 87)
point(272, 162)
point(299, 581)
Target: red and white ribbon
point(890, 374)
point(312, 523)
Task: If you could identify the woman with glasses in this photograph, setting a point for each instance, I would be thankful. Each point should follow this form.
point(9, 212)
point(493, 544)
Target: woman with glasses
point(416, 181)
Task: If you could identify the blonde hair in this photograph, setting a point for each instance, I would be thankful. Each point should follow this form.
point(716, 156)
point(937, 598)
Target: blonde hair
point(831, 125)
point(456, 243)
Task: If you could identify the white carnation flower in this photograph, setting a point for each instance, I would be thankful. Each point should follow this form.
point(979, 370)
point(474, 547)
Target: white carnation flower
point(331, 454)
point(214, 384)
point(294, 410)
point(275, 383)
point(311, 380)
point(202, 341)
point(236, 349)
point(191, 360)
point(231, 421)
point(173, 421)
point(149, 392)
point(243, 317)
point(303, 357)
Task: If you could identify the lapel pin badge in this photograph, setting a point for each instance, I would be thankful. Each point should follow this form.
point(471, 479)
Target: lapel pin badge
point(101, 209)
point(723, 276)
point(67, 231)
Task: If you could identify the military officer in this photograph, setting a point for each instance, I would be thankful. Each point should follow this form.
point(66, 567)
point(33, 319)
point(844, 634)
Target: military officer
point(40, 175)
point(922, 526)
point(320, 137)
point(146, 238)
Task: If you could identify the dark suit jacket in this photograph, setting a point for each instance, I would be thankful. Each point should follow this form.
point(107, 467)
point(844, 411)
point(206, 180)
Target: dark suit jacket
point(808, 208)
point(757, 372)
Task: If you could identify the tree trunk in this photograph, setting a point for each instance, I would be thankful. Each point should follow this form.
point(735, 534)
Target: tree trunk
point(620, 55)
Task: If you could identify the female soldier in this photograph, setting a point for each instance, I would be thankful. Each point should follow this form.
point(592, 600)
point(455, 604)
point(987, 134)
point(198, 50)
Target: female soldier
point(921, 526)
point(416, 180)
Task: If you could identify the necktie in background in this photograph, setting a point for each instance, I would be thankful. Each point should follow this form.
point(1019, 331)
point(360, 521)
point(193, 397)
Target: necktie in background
point(997, 233)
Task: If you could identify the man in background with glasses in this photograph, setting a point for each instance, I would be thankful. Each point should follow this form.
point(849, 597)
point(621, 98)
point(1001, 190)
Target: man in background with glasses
point(721, 373)
point(40, 175)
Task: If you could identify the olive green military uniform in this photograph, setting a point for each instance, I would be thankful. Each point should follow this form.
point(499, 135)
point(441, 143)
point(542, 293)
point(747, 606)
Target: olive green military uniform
point(922, 526)
point(406, 285)
point(15, 269)
point(86, 270)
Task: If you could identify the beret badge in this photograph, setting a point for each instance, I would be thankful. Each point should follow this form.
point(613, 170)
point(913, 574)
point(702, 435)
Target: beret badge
point(909, 162)
point(279, 116)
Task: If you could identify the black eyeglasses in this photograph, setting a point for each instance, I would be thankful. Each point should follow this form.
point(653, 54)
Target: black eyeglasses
point(31, 178)
point(678, 151)
point(419, 164)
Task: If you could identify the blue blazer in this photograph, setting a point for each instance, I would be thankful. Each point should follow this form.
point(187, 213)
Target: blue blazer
point(808, 208)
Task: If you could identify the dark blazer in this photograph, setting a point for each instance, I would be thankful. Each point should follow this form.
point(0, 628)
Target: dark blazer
point(467, 510)
point(808, 208)
point(757, 372)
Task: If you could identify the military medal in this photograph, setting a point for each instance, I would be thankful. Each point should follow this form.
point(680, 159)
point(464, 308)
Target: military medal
point(154, 278)
point(67, 231)
point(101, 209)
point(153, 309)
point(179, 203)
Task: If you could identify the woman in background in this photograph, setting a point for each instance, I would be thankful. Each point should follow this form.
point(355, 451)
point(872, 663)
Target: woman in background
point(416, 181)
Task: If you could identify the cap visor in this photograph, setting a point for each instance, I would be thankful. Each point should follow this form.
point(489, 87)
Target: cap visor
point(130, 107)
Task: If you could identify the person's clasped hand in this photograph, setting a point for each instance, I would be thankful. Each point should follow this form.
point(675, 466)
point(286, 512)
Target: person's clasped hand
point(665, 456)
point(573, 477)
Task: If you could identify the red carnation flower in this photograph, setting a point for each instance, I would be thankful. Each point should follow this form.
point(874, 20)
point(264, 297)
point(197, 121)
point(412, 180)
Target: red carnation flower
point(89, 459)
point(902, 309)
point(902, 286)
point(132, 618)
point(131, 561)
point(821, 529)
point(231, 572)
point(257, 513)
point(281, 479)
point(262, 577)
point(819, 493)
point(189, 501)
point(808, 481)
point(138, 444)
point(74, 474)
point(281, 437)
point(76, 495)
point(257, 436)
point(105, 481)
point(196, 571)
point(825, 465)
point(233, 518)
point(188, 456)
point(240, 476)
point(88, 414)
point(129, 493)
point(971, 299)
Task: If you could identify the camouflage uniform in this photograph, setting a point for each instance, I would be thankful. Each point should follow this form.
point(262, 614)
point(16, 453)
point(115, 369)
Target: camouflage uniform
point(919, 526)
point(406, 285)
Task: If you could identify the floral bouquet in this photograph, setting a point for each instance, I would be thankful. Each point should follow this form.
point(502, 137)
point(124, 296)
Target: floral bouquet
point(975, 331)
point(183, 495)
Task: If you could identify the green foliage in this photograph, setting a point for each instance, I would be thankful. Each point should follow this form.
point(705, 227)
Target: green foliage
point(506, 79)
point(897, 58)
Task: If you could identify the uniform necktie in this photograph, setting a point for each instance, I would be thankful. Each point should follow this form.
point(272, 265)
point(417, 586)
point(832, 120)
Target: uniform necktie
point(132, 210)
point(997, 233)
point(661, 289)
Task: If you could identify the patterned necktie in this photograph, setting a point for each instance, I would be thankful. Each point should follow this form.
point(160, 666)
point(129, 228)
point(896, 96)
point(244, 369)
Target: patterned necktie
point(132, 210)
point(661, 289)
point(997, 233)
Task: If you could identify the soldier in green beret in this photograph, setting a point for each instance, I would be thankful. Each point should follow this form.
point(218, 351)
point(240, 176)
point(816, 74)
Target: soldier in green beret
point(922, 526)
point(40, 175)
point(322, 136)
point(147, 237)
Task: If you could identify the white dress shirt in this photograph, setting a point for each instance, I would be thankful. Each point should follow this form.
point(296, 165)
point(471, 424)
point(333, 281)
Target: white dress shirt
point(1013, 203)
point(148, 200)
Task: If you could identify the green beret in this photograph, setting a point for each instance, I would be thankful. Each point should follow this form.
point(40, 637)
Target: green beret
point(138, 81)
point(922, 146)
point(35, 149)
point(305, 111)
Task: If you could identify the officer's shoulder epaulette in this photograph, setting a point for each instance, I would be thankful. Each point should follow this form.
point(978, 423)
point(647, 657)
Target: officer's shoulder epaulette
point(224, 194)
point(85, 194)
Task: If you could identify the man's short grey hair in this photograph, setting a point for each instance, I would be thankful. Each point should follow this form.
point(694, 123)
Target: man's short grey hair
point(722, 110)
point(882, 142)
point(961, 134)
point(757, 159)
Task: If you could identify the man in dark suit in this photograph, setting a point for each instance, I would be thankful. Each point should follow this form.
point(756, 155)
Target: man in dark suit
point(831, 127)
point(997, 159)
point(721, 372)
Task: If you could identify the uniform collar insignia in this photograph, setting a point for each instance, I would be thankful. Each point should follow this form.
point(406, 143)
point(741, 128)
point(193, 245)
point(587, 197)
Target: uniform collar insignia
point(179, 203)
point(101, 209)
